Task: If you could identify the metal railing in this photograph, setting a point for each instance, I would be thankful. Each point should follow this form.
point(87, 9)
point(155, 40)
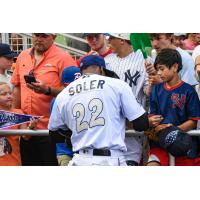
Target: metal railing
point(71, 50)
point(129, 133)
point(22, 41)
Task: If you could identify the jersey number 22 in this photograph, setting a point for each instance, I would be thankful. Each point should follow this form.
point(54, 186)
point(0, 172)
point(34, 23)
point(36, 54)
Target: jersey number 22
point(96, 107)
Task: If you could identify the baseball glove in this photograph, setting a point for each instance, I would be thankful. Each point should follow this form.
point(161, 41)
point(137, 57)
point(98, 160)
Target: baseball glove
point(152, 134)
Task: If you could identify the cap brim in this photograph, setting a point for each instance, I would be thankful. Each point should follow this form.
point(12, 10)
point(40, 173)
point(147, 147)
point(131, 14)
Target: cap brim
point(11, 55)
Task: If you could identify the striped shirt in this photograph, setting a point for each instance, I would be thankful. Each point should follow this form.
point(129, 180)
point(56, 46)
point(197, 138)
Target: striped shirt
point(132, 70)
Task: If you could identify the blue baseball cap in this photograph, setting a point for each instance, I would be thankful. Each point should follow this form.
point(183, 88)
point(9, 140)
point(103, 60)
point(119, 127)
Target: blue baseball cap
point(70, 74)
point(176, 142)
point(92, 60)
point(5, 51)
point(95, 60)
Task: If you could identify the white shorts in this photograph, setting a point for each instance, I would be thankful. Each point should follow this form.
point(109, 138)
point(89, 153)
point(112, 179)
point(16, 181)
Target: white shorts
point(88, 159)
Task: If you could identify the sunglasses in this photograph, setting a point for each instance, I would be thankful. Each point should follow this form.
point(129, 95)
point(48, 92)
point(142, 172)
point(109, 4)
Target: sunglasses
point(43, 35)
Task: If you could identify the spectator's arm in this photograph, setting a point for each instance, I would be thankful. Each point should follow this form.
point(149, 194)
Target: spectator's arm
point(150, 68)
point(41, 88)
point(56, 91)
point(17, 97)
point(188, 125)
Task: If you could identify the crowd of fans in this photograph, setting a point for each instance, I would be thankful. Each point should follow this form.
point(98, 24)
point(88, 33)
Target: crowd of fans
point(175, 56)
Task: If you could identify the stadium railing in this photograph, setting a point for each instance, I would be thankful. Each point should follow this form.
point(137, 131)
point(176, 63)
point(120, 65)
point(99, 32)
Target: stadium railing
point(129, 133)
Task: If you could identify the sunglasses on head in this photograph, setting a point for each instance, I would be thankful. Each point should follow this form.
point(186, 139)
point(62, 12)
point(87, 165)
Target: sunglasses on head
point(41, 35)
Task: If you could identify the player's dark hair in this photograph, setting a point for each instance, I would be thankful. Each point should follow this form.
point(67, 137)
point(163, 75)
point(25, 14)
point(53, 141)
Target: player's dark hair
point(168, 57)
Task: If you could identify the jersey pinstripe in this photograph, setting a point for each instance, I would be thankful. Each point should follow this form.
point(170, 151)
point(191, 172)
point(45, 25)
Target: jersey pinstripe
point(131, 69)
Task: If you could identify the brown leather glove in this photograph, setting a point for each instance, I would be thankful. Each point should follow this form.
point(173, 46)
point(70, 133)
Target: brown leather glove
point(151, 134)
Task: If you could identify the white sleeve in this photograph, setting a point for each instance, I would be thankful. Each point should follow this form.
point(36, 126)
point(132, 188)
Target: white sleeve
point(56, 121)
point(130, 107)
point(196, 52)
point(187, 73)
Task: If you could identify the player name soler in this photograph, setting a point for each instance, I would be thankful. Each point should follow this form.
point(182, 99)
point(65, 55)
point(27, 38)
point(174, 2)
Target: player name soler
point(85, 86)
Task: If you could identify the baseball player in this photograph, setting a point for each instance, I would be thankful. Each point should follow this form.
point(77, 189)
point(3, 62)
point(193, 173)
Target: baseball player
point(94, 108)
point(129, 66)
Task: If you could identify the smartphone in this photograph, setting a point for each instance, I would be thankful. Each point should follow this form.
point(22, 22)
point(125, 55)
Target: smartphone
point(30, 79)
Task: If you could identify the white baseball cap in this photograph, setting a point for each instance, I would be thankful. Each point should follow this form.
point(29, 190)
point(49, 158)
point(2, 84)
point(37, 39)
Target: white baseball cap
point(123, 36)
point(179, 34)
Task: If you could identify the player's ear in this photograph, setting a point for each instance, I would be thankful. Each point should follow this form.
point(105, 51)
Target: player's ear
point(101, 71)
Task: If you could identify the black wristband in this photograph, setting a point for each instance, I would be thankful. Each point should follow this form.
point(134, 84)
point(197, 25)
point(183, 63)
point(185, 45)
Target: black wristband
point(48, 92)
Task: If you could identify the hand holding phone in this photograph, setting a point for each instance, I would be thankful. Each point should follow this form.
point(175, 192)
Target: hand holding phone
point(29, 79)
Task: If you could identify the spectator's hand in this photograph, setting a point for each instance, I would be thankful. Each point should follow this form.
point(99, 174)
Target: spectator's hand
point(33, 123)
point(161, 127)
point(38, 87)
point(32, 126)
point(155, 120)
point(154, 79)
point(150, 68)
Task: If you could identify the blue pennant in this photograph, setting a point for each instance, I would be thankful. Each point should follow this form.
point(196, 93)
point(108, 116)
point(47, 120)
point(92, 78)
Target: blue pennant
point(8, 119)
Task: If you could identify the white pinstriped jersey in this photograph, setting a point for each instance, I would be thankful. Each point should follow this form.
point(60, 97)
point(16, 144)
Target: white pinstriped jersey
point(94, 107)
point(131, 69)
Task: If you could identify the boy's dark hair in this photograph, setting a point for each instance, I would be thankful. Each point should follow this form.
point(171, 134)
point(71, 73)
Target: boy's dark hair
point(168, 57)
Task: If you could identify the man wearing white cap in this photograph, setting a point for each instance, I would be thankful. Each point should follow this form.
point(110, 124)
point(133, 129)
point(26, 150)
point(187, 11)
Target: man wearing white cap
point(129, 66)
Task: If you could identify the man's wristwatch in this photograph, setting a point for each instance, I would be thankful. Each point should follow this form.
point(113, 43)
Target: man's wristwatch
point(48, 92)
